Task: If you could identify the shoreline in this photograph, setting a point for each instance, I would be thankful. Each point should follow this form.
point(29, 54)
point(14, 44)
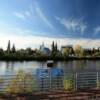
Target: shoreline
point(47, 58)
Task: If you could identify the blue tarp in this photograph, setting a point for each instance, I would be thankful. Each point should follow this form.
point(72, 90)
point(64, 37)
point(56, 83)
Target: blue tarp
point(42, 72)
point(56, 72)
point(49, 72)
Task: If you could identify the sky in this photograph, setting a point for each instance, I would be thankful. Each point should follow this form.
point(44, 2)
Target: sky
point(28, 23)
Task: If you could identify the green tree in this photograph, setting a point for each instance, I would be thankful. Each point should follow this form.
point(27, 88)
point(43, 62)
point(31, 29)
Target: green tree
point(56, 47)
point(54, 50)
point(1, 52)
point(8, 47)
point(13, 49)
point(29, 51)
point(53, 46)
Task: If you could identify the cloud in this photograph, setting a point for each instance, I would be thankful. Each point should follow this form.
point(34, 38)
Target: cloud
point(73, 24)
point(27, 38)
point(14, 30)
point(31, 41)
point(83, 28)
point(24, 38)
point(96, 30)
point(19, 31)
point(34, 12)
point(42, 15)
point(20, 15)
point(25, 14)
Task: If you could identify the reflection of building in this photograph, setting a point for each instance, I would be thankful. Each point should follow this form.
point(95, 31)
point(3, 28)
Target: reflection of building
point(68, 49)
point(44, 50)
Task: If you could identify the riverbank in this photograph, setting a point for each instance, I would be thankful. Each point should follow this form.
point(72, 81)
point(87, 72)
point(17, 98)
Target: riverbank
point(45, 58)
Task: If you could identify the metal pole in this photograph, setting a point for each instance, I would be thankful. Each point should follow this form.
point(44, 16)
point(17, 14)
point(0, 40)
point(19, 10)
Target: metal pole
point(76, 81)
point(50, 79)
point(97, 80)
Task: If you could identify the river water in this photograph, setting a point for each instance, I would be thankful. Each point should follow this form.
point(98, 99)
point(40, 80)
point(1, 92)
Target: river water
point(29, 66)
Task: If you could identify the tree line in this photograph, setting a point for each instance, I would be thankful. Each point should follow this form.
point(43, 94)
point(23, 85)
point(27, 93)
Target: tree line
point(67, 53)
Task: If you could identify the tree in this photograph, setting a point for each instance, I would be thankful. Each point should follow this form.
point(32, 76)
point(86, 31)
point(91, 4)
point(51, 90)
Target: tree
point(8, 47)
point(54, 49)
point(68, 82)
point(21, 83)
point(1, 52)
point(29, 51)
point(65, 52)
point(79, 52)
point(13, 49)
point(53, 46)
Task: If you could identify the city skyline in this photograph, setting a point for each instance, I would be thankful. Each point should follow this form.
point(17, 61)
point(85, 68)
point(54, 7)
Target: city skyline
point(28, 23)
point(11, 44)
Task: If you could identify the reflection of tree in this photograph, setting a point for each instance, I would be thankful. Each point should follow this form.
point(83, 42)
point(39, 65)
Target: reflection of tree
point(78, 65)
point(12, 65)
point(9, 66)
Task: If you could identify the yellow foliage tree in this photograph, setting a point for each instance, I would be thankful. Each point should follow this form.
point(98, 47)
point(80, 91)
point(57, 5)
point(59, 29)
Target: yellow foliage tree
point(21, 83)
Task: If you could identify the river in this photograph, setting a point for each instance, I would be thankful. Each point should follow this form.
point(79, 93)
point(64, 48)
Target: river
point(29, 66)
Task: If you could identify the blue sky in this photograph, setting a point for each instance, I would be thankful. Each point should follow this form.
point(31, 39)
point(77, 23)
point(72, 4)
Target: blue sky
point(29, 22)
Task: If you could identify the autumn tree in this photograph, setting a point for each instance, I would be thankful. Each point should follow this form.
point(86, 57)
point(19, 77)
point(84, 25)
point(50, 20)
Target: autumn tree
point(79, 52)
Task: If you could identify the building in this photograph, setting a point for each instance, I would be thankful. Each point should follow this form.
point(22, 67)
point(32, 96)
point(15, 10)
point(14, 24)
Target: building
point(44, 50)
point(67, 50)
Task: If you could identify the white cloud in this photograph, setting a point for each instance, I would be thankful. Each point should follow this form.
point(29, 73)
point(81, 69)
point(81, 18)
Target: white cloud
point(83, 28)
point(97, 30)
point(27, 13)
point(23, 41)
point(20, 15)
point(34, 12)
point(42, 15)
point(73, 24)
point(19, 31)
point(23, 15)
point(24, 38)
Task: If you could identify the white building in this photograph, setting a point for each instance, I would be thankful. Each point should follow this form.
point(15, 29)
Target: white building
point(44, 50)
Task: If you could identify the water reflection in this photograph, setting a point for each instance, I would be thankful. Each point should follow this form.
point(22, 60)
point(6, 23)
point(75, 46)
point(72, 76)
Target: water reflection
point(9, 67)
point(81, 65)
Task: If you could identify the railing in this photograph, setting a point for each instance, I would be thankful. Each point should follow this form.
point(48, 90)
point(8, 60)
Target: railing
point(68, 81)
point(28, 83)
